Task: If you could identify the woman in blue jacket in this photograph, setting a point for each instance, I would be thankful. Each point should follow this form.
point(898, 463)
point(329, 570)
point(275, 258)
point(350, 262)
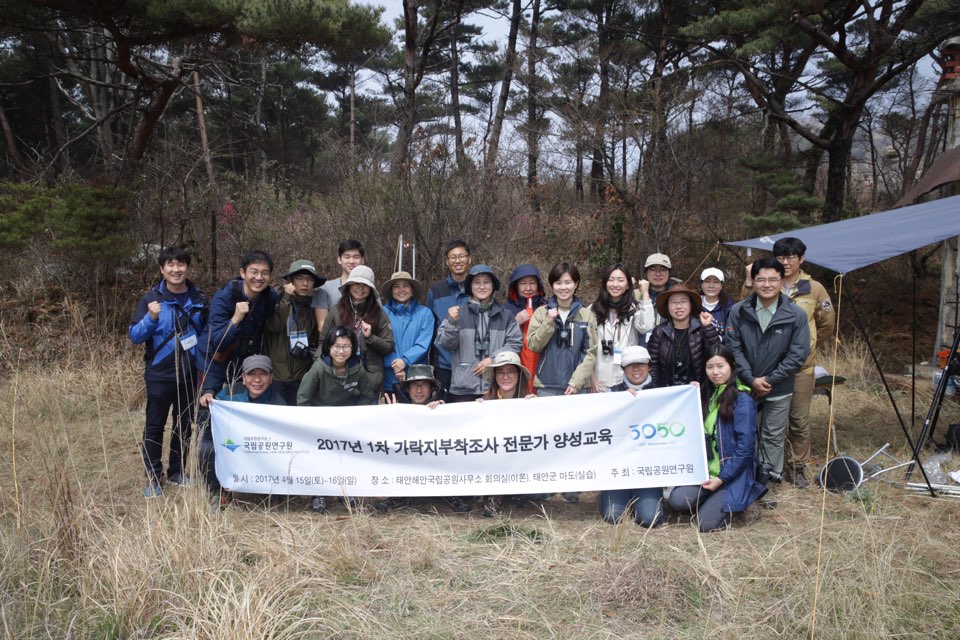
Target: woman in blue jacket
point(413, 325)
point(730, 427)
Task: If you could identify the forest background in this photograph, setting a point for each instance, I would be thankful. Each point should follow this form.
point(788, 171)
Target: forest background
point(590, 131)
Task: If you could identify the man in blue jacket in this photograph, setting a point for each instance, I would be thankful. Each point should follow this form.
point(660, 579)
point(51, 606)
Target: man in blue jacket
point(447, 293)
point(770, 340)
point(168, 320)
point(234, 329)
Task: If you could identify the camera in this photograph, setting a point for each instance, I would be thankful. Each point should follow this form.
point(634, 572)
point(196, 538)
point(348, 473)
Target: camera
point(302, 351)
point(766, 474)
point(607, 347)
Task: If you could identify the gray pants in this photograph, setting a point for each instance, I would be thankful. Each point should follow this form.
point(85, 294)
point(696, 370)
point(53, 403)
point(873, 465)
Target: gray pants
point(772, 419)
point(706, 506)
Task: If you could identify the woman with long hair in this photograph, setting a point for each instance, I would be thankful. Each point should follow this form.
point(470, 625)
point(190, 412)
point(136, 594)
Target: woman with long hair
point(359, 308)
point(730, 428)
point(619, 321)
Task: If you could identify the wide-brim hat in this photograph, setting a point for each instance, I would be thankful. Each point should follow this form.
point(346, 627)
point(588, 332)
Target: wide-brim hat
point(422, 372)
point(361, 274)
point(696, 305)
point(307, 267)
point(386, 291)
point(502, 359)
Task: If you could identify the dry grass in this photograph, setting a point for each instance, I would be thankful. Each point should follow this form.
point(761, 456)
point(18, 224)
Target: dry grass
point(84, 556)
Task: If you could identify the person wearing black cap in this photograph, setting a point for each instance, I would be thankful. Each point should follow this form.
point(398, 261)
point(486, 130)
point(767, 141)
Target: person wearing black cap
point(290, 335)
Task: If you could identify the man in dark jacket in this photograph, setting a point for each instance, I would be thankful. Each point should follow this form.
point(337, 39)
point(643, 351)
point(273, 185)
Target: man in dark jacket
point(168, 319)
point(234, 329)
point(770, 340)
point(443, 295)
point(256, 385)
point(290, 335)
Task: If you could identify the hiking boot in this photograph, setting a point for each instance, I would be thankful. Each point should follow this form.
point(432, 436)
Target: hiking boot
point(799, 478)
point(318, 505)
point(491, 507)
point(179, 480)
point(458, 504)
point(391, 503)
point(153, 489)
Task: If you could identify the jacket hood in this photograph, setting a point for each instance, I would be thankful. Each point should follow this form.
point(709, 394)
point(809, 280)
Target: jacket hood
point(523, 271)
point(475, 271)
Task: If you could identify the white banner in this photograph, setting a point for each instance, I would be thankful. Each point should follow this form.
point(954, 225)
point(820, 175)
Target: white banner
point(584, 442)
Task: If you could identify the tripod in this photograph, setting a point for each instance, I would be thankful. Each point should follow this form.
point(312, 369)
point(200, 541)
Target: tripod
point(930, 423)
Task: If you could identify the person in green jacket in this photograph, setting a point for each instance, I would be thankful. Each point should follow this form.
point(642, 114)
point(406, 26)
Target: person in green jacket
point(290, 335)
point(337, 378)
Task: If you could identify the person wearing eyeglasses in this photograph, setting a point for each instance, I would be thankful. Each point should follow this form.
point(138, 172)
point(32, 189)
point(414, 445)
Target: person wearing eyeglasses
point(234, 330)
point(770, 340)
point(444, 294)
point(337, 378)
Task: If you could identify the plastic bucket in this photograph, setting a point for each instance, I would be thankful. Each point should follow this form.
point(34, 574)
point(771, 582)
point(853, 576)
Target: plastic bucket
point(951, 389)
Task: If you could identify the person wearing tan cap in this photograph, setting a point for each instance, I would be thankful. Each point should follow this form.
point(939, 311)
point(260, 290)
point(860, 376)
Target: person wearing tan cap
point(359, 308)
point(412, 323)
point(678, 344)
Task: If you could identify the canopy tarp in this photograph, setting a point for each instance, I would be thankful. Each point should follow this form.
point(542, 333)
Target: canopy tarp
point(851, 244)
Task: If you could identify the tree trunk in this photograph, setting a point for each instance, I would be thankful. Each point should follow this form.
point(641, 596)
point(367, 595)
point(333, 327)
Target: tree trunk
point(159, 98)
point(455, 88)
point(15, 156)
point(508, 62)
point(839, 159)
point(408, 103)
point(534, 123)
point(257, 121)
point(603, 100)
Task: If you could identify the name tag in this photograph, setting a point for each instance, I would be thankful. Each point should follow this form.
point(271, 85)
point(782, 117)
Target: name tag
point(188, 341)
point(297, 339)
point(617, 356)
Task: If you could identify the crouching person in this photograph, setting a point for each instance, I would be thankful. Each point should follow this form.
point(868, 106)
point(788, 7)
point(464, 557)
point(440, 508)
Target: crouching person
point(336, 379)
point(647, 504)
point(419, 387)
point(256, 385)
point(730, 426)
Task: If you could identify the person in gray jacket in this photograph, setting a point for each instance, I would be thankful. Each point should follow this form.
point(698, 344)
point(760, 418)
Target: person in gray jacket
point(475, 331)
point(770, 340)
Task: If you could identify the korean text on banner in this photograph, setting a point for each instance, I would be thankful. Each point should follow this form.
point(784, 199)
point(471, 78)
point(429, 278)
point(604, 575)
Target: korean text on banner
point(585, 442)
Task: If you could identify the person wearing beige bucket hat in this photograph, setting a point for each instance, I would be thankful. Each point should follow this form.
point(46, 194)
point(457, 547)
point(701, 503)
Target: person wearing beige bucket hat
point(678, 344)
point(359, 308)
point(412, 323)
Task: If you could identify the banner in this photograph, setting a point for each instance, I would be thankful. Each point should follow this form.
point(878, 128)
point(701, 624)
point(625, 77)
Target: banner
point(584, 442)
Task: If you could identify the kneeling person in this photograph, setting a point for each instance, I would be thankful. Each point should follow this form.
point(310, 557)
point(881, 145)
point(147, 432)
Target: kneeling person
point(420, 387)
point(647, 504)
point(256, 385)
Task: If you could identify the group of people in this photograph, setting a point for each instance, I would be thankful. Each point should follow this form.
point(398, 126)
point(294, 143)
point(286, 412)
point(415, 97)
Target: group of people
point(320, 342)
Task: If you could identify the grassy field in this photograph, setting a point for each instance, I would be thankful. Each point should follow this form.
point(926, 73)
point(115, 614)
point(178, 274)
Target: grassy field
point(85, 556)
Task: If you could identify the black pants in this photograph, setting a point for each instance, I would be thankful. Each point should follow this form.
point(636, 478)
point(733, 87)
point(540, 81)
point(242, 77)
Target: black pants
point(206, 456)
point(161, 398)
point(444, 376)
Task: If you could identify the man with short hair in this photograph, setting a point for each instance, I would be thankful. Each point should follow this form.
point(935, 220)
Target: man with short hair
point(290, 335)
point(770, 340)
point(350, 254)
point(169, 319)
point(656, 270)
point(256, 386)
point(443, 295)
point(238, 313)
point(419, 387)
point(813, 299)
